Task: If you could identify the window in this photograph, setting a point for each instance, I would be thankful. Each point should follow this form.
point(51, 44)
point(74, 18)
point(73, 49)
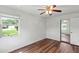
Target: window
point(8, 26)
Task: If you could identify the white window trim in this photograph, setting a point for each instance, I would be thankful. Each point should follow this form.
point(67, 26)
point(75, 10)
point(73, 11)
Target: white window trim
point(10, 16)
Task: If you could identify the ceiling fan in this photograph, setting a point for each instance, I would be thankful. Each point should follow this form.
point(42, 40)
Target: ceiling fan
point(49, 9)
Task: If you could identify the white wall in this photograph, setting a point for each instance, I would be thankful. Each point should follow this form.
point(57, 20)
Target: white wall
point(32, 29)
point(53, 28)
point(74, 27)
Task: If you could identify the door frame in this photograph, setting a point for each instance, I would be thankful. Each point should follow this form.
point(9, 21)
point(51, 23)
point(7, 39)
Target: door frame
point(61, 33)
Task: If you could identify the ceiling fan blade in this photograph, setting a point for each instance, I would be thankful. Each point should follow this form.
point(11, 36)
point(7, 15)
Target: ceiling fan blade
point(42, 13)
point(41, 9)
point(57, 10)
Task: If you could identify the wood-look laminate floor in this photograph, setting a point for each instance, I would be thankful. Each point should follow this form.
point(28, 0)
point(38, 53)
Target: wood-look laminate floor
point(48, 46)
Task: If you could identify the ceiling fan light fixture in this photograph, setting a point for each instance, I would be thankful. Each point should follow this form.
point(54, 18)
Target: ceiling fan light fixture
point(46, 12)
point(51, 7)
point(50, 12)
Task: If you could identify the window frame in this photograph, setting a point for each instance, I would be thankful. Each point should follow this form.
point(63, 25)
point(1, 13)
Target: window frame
point(14, 17)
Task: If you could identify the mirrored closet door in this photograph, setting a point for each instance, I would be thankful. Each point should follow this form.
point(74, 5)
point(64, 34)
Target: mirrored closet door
point(65, 30)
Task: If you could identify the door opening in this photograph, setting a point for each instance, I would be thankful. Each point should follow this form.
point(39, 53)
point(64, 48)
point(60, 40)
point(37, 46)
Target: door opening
point(65, 31)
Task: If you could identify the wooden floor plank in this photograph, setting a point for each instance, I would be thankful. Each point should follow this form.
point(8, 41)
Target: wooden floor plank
point(47, 46)
point(44, 47)
point(51, 46)
point(52, 50)
point(37, 46)
point(29, 46)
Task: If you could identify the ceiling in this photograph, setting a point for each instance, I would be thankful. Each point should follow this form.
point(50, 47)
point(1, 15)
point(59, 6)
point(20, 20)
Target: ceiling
point(32, 9)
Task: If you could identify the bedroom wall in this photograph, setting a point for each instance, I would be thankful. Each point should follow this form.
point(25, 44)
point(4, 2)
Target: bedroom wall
point(53, 26)
point(74, 31)
point(32, 29)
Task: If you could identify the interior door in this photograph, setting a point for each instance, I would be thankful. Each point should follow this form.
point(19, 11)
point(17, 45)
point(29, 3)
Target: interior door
point(74, 26)
point(65, 30)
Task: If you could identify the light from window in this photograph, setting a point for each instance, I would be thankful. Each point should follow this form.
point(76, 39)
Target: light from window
point(8, 26)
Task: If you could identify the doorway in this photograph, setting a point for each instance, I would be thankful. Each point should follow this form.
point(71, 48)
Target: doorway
point(65, 30)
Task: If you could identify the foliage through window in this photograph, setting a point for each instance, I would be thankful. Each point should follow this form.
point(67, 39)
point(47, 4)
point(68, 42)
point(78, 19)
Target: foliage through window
point(8, 26)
